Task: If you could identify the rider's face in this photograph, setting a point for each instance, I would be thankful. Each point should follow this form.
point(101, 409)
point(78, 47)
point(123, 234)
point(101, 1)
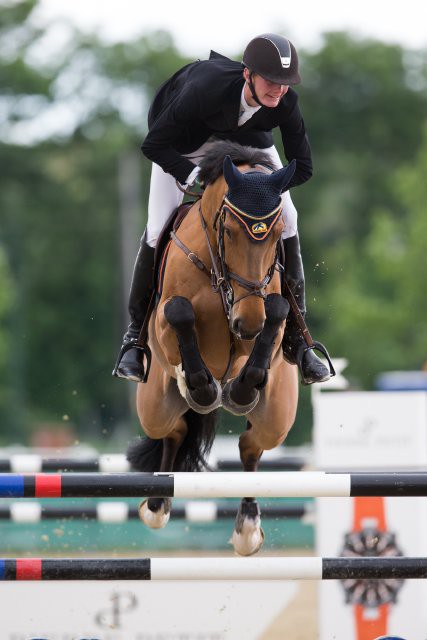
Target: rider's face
point(269, 93)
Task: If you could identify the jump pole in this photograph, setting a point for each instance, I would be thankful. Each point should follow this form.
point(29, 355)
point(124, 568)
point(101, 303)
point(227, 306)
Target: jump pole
point(278, 568)
point(212, 485)
point(117, 463)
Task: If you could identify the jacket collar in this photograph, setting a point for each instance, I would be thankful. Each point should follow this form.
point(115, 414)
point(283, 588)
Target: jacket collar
point(232, 106)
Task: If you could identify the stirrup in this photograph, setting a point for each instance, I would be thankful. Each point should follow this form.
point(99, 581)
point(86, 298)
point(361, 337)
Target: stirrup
point(316, 346)
point(144, 349)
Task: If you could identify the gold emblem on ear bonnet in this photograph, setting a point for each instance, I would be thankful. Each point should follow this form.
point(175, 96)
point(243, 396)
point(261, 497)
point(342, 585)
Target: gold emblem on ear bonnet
point(259, 227)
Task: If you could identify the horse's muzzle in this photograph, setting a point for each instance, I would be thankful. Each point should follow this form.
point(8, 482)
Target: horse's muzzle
point(237, 327)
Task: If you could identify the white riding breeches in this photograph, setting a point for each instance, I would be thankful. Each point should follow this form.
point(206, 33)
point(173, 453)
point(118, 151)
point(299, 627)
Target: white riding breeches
point(165, 197)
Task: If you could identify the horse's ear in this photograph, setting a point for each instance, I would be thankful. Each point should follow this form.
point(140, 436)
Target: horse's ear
point(282, 177)
point(232, 175)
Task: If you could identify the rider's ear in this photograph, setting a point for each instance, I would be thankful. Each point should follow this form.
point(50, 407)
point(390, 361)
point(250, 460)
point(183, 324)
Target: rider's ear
point(232, 175)
point(282, 177)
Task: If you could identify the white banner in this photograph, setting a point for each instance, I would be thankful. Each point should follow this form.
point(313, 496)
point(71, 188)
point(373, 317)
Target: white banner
point(132, 610)
point(371, 431)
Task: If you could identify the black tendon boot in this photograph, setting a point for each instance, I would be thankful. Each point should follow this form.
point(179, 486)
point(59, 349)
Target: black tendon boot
point(130, 363)
point(294, 346)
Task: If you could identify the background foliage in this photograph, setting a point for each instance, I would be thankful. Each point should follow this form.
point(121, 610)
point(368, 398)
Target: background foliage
point(68, 119)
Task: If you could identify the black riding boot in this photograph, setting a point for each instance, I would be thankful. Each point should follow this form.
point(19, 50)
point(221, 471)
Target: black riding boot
point(131, 364)
point(311, 367)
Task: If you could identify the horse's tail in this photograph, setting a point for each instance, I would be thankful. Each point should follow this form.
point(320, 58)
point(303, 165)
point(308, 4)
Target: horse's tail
point(145, 454)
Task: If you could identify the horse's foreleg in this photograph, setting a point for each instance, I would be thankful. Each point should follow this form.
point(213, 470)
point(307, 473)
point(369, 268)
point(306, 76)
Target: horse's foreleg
point(155, 512)
point(248, 535)
point(241, 395)
point(196, 383)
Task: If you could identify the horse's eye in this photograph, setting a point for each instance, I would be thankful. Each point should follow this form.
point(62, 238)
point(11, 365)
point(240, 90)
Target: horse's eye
point(228, 232)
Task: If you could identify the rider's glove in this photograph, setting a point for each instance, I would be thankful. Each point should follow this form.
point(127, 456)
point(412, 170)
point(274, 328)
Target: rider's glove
point(193, 181)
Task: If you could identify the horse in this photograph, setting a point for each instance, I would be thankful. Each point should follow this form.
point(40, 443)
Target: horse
point(216, 332)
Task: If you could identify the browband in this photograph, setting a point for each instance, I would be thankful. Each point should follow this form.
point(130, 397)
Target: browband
point(257, 227)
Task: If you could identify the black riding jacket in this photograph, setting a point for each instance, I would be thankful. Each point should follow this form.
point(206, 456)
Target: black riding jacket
point(202, 100)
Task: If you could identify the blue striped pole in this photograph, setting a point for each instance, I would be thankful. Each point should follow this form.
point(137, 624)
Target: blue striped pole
point(275, 484)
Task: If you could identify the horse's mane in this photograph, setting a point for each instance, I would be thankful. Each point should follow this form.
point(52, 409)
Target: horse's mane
point(212, 162)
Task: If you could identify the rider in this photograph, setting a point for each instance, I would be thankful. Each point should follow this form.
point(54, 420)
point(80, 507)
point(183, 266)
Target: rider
point(243, 102)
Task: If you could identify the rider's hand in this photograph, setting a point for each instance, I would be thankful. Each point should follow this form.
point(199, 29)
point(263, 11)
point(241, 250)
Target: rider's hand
point(193, 181)
point(197, 185)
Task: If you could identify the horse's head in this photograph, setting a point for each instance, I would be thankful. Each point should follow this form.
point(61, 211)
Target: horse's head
point(249, 225)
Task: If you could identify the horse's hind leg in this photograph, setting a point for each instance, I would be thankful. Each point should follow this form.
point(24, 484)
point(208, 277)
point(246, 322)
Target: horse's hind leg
point(240, 396)
point(248, 535)
point(269, 424)
point(155, 512)
point(161, 411)
point(176, 438)
point(202, 392)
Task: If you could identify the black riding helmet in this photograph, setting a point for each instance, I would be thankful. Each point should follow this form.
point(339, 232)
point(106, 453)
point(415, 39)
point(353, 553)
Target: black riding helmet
point(274, 58)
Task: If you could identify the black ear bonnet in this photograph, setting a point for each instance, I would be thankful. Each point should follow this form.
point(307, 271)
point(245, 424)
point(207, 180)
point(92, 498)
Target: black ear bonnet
point(255, 197)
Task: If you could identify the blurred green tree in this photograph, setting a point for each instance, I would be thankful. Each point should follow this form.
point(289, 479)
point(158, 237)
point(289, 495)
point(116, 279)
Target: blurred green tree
point(70, 117)
point(380, 291)
point(8, 388)
point(60, 218)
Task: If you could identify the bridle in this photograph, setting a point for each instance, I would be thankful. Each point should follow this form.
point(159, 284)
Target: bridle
point(220, 275)
point(221, 278)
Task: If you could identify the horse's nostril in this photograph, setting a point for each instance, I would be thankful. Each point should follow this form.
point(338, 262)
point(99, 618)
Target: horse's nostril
point(249, 335)
point(244, 332)
point(236, 326)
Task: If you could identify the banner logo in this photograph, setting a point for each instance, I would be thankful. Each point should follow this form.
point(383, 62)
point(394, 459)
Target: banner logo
point(121, 603)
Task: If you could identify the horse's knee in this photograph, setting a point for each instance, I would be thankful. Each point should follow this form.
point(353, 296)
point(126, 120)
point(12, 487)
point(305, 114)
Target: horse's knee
point(276, 308)
point(179, 313)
